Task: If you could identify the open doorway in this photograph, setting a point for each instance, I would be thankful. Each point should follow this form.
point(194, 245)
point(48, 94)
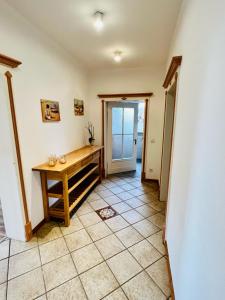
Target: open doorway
point(125, 136)
point(167, 141)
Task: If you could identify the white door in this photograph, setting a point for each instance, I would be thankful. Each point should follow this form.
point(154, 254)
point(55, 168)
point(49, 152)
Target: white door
point(10, 193)
point(122, 137)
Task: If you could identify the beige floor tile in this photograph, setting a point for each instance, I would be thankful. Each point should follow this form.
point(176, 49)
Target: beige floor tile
point(3, 291)
point(145, 253)
point(75, 225)
point(94, 196)
point(3, 270)
point(109, 246)
point(48, 232)
point(85, 208)
point(77, 240)
point(116, 223)
point(146, 210)
point(4, 249)
point(127, 186)
point(98, 282)
point(71, 290)
point(158, 220)
point(129, 236)
point(43, 297)
point(19, 246)
point(23, 262)
point(116, 190)
point(132, 216)
point(58, 271)
point(146, 228)
point(146, 198)
point(116, 295)
point(121, 182)
point(86, 258)
point(90, 219)
point(121, 207)
point(98, 231)
point(109, 185)
point(112, 200)
point(142, 287)
point(134, 202)
point(99, 188)
point(136, 192)
point(98, 204)
point(105, 193)
point(53, 250)
point(130, 179)
point(26, 287)
point(158, 272)
point(157, 242)
point(136, 184)
point(125, 196)
point(123, 266)
point(157, 205)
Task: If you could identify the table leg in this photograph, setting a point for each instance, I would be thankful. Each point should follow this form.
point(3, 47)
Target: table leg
point(44, 187)
point(66, 200)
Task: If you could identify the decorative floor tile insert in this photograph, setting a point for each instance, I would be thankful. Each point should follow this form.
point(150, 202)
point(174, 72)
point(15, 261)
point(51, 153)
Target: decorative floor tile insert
point(106, 213)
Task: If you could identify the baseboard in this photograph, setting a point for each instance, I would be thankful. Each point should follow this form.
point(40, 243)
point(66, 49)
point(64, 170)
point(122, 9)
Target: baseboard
point(169, 271)
point(38, 226)
point(147, 180)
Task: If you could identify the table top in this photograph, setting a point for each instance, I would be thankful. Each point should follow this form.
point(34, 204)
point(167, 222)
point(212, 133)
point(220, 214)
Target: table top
point(72, 158)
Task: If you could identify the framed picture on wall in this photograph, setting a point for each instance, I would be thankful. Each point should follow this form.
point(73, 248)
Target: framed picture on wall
point(50, 111)
point(78, 107)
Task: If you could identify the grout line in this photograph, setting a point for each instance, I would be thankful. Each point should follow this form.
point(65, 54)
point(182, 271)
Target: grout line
point(8, 269)
point(75, 267)
point(42, 273)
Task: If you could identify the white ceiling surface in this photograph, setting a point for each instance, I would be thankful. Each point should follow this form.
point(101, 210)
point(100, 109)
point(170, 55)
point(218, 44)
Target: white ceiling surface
point(142, 29)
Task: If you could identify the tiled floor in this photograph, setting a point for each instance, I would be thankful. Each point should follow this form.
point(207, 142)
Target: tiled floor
point(120, 258)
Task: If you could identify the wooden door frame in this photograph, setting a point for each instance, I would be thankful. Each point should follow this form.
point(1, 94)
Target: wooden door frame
point(126, 97)
point(13, 63)
point(171, 78)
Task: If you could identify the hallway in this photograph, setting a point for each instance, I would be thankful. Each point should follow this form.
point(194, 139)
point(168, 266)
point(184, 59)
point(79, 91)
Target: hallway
point(121, 257)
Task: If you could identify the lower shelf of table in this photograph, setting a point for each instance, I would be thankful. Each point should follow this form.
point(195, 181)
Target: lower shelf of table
point(57, 209)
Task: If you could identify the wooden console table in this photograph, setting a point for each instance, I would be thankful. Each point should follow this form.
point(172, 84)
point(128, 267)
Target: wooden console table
point(76, 177)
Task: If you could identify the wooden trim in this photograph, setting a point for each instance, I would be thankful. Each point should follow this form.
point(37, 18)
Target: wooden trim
point(125, 96)
point(144, 141)
point(9, 61)
point(147, 180)
point(175, 63)
point(103, 139)
point(164, 123)
point(28, 230)
point(169, 272)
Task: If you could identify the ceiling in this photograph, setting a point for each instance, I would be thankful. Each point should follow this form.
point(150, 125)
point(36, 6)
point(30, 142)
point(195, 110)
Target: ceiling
point(141, 29)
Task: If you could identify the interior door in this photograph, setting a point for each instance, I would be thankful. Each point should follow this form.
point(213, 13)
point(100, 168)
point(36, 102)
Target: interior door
point(122, 137)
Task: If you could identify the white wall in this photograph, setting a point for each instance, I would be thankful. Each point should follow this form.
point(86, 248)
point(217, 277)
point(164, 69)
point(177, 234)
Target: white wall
point(132, 81)
point(196, 212)
point(47, 72)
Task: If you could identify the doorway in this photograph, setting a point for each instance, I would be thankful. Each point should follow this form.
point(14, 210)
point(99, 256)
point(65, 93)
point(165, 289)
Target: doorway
point(167, 141)
point(125, 128)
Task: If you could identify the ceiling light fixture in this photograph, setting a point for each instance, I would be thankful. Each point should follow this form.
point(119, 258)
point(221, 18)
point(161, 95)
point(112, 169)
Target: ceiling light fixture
point(117, 56)
point(98, 22)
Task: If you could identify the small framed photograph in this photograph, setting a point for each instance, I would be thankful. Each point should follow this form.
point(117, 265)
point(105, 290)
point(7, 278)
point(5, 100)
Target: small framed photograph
point(78, 107)
point(50, 111)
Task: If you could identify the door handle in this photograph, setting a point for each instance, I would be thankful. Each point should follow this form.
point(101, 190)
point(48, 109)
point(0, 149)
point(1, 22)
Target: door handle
point(135, 141)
